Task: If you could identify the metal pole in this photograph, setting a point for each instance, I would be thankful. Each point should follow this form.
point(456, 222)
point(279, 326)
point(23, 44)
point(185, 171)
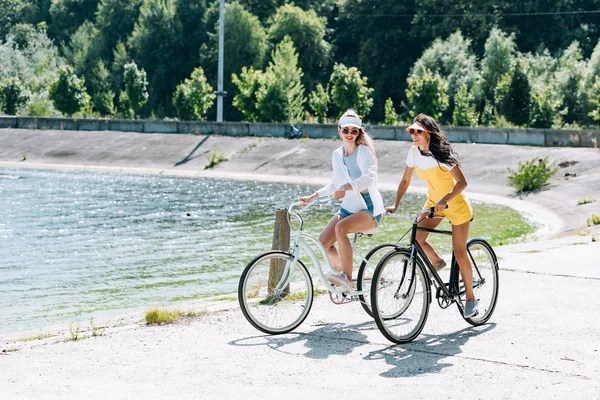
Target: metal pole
point(220, 93)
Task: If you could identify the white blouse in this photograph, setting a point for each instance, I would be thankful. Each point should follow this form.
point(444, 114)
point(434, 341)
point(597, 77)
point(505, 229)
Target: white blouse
point(353, 201)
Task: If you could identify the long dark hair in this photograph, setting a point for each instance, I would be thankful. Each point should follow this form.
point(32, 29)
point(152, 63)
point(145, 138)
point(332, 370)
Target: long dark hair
point(438, 143)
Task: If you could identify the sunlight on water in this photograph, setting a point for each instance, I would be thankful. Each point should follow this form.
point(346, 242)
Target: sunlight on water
point(75, 245)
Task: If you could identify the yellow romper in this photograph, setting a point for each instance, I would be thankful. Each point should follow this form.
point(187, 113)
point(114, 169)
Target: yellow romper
point(439, 183)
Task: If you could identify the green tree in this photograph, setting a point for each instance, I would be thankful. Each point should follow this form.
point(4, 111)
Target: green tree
point(381, 40)
point(281, 97)
point(513, 96)
point(102, 94)
point(248, 84)
point(568, 80)
point(263, 9)
point(453, 60)
point(82, 52)
point(12, 96)
point(307, 31)
point(465, 113)
point(318, 101)
point(12, 12)
point(156, 44)
point(135, 93)
point(68, 15)
point(349, 90)
point(391, 118)
point(595, 100)
point(427, 93)
point(115, 20)
point(500, 50)
point(68, 92)
point(545, 105)
point(193, 97)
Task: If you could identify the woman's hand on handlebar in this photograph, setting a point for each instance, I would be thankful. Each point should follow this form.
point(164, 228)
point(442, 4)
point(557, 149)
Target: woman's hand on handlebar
point(391, 210)
point(441, 206)
point(306, 200)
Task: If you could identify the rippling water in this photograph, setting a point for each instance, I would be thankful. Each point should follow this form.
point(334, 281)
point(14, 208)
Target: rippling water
point(75, 244)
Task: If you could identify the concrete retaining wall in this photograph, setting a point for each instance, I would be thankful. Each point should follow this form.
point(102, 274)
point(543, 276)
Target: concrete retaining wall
point(522, 137)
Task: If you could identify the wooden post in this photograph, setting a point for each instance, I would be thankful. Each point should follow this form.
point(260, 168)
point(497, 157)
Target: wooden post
point(281, 241)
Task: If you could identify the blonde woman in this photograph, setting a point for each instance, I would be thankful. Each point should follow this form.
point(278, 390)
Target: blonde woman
point(354, 181)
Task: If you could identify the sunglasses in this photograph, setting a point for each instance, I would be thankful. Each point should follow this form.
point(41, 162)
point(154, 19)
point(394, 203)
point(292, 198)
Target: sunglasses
point(354, 131)
point(415, 131)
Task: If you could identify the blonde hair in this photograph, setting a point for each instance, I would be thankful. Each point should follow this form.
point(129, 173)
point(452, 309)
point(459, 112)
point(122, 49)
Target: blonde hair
point(363, 137)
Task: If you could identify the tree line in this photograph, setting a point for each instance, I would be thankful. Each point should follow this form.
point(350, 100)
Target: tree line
point(467, 63)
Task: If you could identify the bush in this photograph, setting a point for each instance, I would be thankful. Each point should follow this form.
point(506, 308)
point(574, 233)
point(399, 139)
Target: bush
point(593, 220)
point(465, 113)
point(68, 92)
point(318, 101)
point(391, 118)
point(531, 175)
point(12, 96)
point(193, 97)
point(135, 94)
point(215, 157)
point(349, 90)
point(427, 93)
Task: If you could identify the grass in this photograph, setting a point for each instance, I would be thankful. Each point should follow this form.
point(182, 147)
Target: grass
point(593, 220)
point(95, 330)
point(586, 200)
point(225, 298)
point(75, 333)
point(215, 157)
point(38, 337)
point(248, 148)
point(158, 316)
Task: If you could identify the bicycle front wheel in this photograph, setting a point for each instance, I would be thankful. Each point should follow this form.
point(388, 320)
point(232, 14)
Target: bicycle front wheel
point(485, 279)
point(275, 293)
point(400, 297)
point(366, 270)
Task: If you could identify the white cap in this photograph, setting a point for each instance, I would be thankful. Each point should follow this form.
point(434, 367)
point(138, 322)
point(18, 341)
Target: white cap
point(350, 121)
point(416, 125)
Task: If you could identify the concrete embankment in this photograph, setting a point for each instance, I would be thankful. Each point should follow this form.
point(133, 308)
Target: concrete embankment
point(309, 161)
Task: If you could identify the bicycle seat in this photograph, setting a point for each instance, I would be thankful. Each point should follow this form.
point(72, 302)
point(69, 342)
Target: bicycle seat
point(368, 232)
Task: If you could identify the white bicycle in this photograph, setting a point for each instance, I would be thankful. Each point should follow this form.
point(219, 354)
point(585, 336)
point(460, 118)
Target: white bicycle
point(276, 290)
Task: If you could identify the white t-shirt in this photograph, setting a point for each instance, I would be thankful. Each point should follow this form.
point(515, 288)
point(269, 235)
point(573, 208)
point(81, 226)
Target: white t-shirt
point(418, 160)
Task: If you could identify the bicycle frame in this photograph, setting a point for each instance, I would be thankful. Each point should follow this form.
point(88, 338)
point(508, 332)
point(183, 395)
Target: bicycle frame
point(451, 291)
point(301, 243)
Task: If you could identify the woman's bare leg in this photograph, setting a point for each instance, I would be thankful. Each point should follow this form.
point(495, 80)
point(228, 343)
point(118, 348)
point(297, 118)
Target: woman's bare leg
point(433, 256)
point(460, 235)
point(358, 222)
point(328, 239)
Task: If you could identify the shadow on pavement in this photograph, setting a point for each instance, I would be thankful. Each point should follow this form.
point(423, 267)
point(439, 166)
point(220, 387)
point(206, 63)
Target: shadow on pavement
point(190, 156)
point(423, 355)
point(328, 340)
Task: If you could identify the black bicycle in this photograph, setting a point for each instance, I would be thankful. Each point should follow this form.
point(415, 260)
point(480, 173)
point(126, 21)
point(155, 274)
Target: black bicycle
point(402, 282)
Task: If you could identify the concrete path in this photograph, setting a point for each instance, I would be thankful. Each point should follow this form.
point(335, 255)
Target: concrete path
point(543, 342)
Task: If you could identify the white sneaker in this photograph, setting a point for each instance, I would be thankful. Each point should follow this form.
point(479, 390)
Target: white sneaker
point(341, 280)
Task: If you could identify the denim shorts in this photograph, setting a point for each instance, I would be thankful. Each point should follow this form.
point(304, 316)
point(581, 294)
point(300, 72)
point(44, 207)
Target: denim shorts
point(345, 213)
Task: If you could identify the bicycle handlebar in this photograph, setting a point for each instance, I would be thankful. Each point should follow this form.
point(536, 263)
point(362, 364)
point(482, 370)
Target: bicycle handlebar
point(430, 211)
point(318, 200)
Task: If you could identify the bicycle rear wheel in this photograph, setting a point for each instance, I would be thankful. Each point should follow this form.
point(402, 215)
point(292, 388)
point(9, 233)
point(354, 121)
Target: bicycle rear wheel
point(485, 279)
point(400, 299)
point(275, 295)
point(366, 270)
